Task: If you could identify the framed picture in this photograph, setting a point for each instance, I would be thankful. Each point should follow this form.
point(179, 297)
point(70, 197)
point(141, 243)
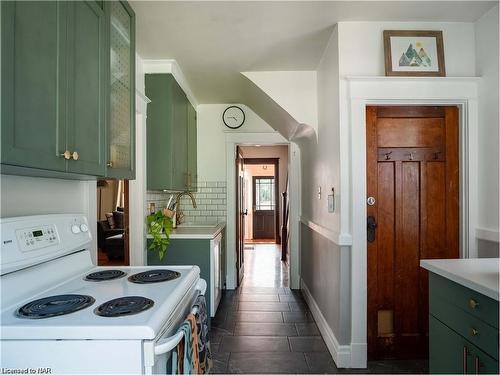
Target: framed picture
point(414, 53)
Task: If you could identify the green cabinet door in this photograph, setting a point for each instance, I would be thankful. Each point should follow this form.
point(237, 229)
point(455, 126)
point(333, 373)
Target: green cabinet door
point(120, 148)
point(33, 84)
point(159, 131)
point(179, 131)
point(86, 88)
point(192, 141)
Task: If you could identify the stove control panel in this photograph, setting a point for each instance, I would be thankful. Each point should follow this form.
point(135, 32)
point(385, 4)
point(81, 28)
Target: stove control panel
point(38, 237)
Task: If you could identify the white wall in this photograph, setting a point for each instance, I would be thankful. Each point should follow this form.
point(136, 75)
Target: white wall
point(294, 91)
point(212, 138)
point(361, 46)
point(22, 196)
point(487, 67)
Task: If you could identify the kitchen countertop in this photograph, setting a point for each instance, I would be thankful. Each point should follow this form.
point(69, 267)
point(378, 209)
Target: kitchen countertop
point(481, 275)
point(193, 231)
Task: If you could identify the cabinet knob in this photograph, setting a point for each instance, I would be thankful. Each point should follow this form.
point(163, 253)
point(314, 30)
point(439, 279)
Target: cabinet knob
point(75, 155)
point(66, 154)
point(473, 303)
point(110, 164)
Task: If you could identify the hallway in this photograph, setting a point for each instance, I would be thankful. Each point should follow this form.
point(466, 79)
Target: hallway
point(263, 326)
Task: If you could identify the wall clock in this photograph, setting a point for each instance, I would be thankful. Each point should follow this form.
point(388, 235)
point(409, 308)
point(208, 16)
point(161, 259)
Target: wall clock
point(233, 117)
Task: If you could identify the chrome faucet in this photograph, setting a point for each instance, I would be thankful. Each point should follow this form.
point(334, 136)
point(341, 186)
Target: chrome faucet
point(178, 213)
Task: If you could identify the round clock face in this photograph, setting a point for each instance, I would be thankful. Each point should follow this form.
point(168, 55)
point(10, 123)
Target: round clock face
point(233, 117)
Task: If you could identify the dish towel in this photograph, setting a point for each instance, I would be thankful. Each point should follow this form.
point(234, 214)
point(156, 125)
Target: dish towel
point(185, 359)
point(205, 355)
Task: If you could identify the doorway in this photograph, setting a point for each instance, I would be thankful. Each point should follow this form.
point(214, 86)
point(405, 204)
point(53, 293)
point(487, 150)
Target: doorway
point(113, 223)
point(261, 182)
point(413, 214)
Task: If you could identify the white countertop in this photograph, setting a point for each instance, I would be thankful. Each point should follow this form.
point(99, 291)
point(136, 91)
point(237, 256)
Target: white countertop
point(194, 231)
point(481, 275)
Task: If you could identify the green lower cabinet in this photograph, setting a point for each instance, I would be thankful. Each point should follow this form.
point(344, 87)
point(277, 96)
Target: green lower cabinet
point(206, 254)
point(462, 336)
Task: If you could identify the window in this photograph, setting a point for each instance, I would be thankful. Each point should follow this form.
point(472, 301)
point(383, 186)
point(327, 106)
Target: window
point(264, 193)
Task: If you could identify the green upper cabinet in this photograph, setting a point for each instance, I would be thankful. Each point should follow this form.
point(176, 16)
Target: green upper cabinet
point(192, 149)
point(55, 90)
point(168, 134)
point(34, 84)
point(121, 111)
point(86, 64)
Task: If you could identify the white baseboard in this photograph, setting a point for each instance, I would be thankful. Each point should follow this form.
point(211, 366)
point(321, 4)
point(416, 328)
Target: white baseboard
point(341, 353)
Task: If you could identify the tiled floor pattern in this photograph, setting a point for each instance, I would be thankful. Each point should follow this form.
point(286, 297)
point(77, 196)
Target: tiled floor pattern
point(269, 329)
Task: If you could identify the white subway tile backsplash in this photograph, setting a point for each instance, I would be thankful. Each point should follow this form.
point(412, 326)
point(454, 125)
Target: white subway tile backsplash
point(210, 198)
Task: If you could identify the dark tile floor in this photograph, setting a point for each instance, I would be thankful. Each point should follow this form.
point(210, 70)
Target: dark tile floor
point(269, 329)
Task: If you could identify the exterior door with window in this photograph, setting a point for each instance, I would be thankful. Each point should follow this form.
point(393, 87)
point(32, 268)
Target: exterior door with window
point(263, 207)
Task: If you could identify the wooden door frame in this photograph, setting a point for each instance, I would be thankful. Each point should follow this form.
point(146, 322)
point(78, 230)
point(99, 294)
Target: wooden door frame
point(238, 163)
point(362, 92)
point(275, 162)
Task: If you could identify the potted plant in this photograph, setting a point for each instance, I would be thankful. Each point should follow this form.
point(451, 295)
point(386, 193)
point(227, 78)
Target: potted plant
point(159, 223)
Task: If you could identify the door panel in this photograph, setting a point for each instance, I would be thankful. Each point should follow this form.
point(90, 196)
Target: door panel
point(240, 216)
point(33, 89)
point(86, 99)
point(412, 172)
point(180, 123)
point(264, 191)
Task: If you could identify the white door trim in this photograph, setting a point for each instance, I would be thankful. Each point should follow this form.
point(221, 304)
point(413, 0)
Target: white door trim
point(363, 91)
point(267, 139)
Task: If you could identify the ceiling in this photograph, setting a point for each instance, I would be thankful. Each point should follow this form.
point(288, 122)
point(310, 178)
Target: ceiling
point(214, 41)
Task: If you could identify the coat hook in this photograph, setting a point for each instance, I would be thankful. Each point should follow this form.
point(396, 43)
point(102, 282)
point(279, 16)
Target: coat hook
point(388, 155)
point(410, 156)
point(436, 155)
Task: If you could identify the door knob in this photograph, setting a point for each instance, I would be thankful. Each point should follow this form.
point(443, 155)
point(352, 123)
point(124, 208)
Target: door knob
point(371, 225)
point(66, 154)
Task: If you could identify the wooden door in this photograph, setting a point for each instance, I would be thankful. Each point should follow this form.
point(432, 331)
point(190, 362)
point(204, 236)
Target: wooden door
point(240, 216)
point(87, 86)
point(264, 192)
point(413, 214)
point(34, 83)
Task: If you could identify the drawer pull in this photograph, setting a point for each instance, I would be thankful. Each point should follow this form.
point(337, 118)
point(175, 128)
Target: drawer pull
point(464, 360)
point(474, 332)
point(473, 303)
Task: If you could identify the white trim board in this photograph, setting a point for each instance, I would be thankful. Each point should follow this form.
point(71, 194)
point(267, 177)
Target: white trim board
point(340, 239)
point(362, 91)
point(267, 139)
point(488, 234)
point(172, 67)
point(341, 354)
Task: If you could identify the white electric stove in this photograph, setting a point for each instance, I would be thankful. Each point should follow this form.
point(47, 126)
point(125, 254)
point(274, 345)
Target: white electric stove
point(61, 313)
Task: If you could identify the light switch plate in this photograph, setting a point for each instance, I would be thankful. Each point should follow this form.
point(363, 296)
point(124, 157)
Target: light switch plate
point(331, 203)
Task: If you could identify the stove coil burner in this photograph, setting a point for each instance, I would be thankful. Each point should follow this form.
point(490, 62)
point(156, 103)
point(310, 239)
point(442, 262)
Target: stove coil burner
point(154, 276)
point(54, 306)
point(124, 306)
point(105, 275)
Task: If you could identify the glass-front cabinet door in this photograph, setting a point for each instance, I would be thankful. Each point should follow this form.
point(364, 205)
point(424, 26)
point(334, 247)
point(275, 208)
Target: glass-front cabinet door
point(121, 116)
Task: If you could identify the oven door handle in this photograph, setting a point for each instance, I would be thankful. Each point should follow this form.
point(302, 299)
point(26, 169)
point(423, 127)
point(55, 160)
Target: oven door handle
point(169, 343)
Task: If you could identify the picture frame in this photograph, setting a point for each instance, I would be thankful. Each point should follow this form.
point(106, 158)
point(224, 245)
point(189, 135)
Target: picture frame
point(417, 53)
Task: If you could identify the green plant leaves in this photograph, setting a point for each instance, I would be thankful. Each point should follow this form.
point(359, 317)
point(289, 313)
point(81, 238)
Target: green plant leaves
point(159, 224)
